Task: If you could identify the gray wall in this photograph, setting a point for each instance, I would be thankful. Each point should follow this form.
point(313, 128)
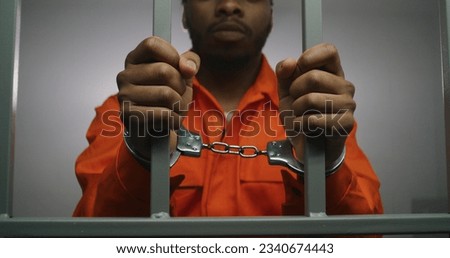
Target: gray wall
point(71, 52)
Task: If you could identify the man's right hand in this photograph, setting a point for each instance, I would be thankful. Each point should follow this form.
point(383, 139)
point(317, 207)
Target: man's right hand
point(155, 90)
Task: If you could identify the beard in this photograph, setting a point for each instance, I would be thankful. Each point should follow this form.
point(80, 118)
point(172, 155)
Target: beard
point(228, 56)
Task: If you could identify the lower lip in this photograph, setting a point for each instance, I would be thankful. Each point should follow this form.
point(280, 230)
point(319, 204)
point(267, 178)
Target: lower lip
point(228, 35)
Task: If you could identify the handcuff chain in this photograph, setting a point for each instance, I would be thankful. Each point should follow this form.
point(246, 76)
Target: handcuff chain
point(278, 152)
point(246, 151)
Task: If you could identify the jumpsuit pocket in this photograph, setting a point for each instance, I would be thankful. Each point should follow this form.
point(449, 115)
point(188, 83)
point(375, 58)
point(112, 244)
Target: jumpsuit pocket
point(186, 201)
point(187, 196)
point(261, 188)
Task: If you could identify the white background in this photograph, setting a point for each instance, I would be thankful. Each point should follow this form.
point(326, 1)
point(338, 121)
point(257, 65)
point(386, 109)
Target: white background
point(341, 247)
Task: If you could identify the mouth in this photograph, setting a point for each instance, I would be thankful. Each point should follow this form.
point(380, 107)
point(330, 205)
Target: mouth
point(228, 26)
point(228, 31)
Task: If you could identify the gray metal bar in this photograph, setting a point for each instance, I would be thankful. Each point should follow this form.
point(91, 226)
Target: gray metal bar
point(446, 95)
point(228, 226)
point(444, 8)
point(315, 190)
point(162, 18)
point(314, 151)
point(160, 157)
point(311, 23)
point(9, 39)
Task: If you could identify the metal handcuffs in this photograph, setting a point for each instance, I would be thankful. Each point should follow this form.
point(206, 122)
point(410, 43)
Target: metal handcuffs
point(278, 152)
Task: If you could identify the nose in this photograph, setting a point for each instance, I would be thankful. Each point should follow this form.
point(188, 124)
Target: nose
point(229, 8)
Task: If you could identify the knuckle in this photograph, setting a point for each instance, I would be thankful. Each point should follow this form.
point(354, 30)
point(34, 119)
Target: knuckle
point(346, 108)
point(164, 72)
point(347, 123)
point(127, 60)
point(351, 88)
point(166, 96)
point(121, 78)
point(304, 61)
point(313, 78)
point(331, 48)
point(123, 95)
point(351, 105)
point(312, 122)
point(312, 100)
point(151, 42)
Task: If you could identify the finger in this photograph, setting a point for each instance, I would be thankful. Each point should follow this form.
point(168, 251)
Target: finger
point(324, 57)
point(153, 49)
point(189, 65)
point(152, 96)
point(331, 125)
point(321, 82)
point(152, 74)
point(286, 71)
point(150, 119)
point(186, 101)
point(320, 103)
point(287, 119)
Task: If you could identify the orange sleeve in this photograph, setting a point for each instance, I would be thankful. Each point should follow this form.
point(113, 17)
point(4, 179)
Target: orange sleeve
point(113, 183)
point(354, 189)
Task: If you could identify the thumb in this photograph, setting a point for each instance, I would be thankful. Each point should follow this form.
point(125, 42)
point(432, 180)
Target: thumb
point(287, 71)
point(189, 66)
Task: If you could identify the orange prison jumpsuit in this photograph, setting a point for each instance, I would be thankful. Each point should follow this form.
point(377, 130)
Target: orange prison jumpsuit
point(115, 184)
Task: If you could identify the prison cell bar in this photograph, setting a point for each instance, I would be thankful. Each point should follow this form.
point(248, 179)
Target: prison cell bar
point(290, 225)
point(160, 181)
point(314, 150)
point(444, 7)
point(9, 41)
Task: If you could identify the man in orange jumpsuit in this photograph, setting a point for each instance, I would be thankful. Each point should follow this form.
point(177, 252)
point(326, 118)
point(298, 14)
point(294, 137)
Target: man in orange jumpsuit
point(225, 91)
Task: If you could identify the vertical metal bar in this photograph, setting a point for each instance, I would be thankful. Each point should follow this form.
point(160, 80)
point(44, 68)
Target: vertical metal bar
point(162, 13)
point(9, 40)
point(160, 181)
point(445, 46)
point(314, 154)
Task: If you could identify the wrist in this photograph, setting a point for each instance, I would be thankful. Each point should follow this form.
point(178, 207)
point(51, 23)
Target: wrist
point(143, 157)
point(330, 167)
point(336, 164)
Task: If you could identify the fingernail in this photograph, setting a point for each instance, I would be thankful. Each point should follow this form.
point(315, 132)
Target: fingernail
point(191, 64)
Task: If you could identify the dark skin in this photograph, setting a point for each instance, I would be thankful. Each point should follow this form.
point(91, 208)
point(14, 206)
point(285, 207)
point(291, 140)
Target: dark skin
point(227, 38)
